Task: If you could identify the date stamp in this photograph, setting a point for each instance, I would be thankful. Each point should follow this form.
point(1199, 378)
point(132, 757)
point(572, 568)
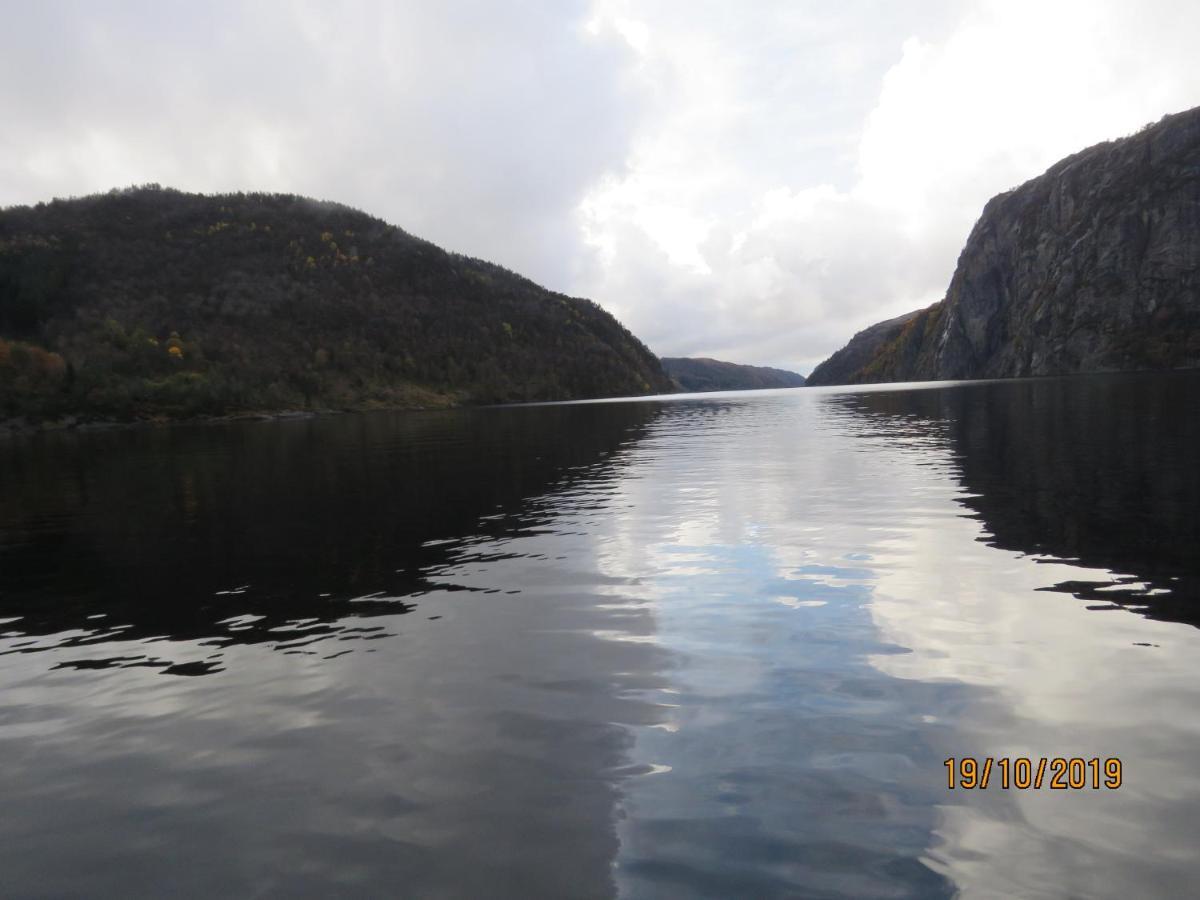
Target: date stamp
point(1023, 773)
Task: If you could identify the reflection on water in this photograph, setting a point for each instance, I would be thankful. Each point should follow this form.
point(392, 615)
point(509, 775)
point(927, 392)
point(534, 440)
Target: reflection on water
point(700, 647)
point(1098, 470)
point(279, 533)
point(471, 743)
point(1044, 470)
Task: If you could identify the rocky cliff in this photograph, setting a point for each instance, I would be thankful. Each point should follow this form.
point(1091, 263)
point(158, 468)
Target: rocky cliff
point(1093, 266)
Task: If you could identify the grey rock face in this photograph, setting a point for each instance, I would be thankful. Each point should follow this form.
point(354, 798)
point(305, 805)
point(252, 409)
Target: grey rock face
point(1093, 266)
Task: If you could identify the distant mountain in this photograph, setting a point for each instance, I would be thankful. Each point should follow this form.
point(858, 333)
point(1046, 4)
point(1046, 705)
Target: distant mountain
point(152, 302)
point(701, 374)
point(1093, 266)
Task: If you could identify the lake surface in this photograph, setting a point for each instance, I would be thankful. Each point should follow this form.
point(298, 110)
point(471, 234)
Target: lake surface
point(711, 646)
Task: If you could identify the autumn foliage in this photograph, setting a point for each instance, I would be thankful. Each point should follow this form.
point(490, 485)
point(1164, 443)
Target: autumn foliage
point(152, 302)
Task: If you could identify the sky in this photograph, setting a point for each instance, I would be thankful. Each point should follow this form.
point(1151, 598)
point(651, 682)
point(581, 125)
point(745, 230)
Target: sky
point(753, 182)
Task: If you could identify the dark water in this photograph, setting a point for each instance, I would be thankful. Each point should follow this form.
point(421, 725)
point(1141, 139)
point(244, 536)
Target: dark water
point(710, 647)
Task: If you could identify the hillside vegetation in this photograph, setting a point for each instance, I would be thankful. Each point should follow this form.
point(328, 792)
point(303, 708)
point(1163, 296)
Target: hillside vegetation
point(698, 374)
point(150, 302)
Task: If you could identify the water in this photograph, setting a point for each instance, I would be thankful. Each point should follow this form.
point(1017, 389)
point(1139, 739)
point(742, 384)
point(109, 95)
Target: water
point(685, 647)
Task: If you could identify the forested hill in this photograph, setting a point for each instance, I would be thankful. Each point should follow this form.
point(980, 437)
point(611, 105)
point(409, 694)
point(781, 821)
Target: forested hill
point(150, 302)
point(702, 374)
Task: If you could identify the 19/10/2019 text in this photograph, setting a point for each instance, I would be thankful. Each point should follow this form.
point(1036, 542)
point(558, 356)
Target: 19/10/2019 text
point(1024, 773)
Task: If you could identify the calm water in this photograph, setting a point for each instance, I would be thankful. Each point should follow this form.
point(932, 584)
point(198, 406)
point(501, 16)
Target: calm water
point(693, 647)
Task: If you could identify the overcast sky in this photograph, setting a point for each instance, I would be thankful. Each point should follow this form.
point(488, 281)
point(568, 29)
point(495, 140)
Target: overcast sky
point(750, 181)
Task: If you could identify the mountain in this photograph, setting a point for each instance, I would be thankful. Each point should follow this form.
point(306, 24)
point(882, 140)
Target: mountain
point(150, 302)
point(1093, 266)
point(843, 366)
point(702, 374)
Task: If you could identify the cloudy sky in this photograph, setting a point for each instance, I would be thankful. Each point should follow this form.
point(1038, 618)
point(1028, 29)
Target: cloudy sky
point(749, 181)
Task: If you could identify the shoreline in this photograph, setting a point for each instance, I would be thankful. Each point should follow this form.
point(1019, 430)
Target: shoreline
point(22, 427)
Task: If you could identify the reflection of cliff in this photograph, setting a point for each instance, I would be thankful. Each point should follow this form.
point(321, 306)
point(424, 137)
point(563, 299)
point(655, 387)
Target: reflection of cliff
point(1099, 469)
point(174, 532)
